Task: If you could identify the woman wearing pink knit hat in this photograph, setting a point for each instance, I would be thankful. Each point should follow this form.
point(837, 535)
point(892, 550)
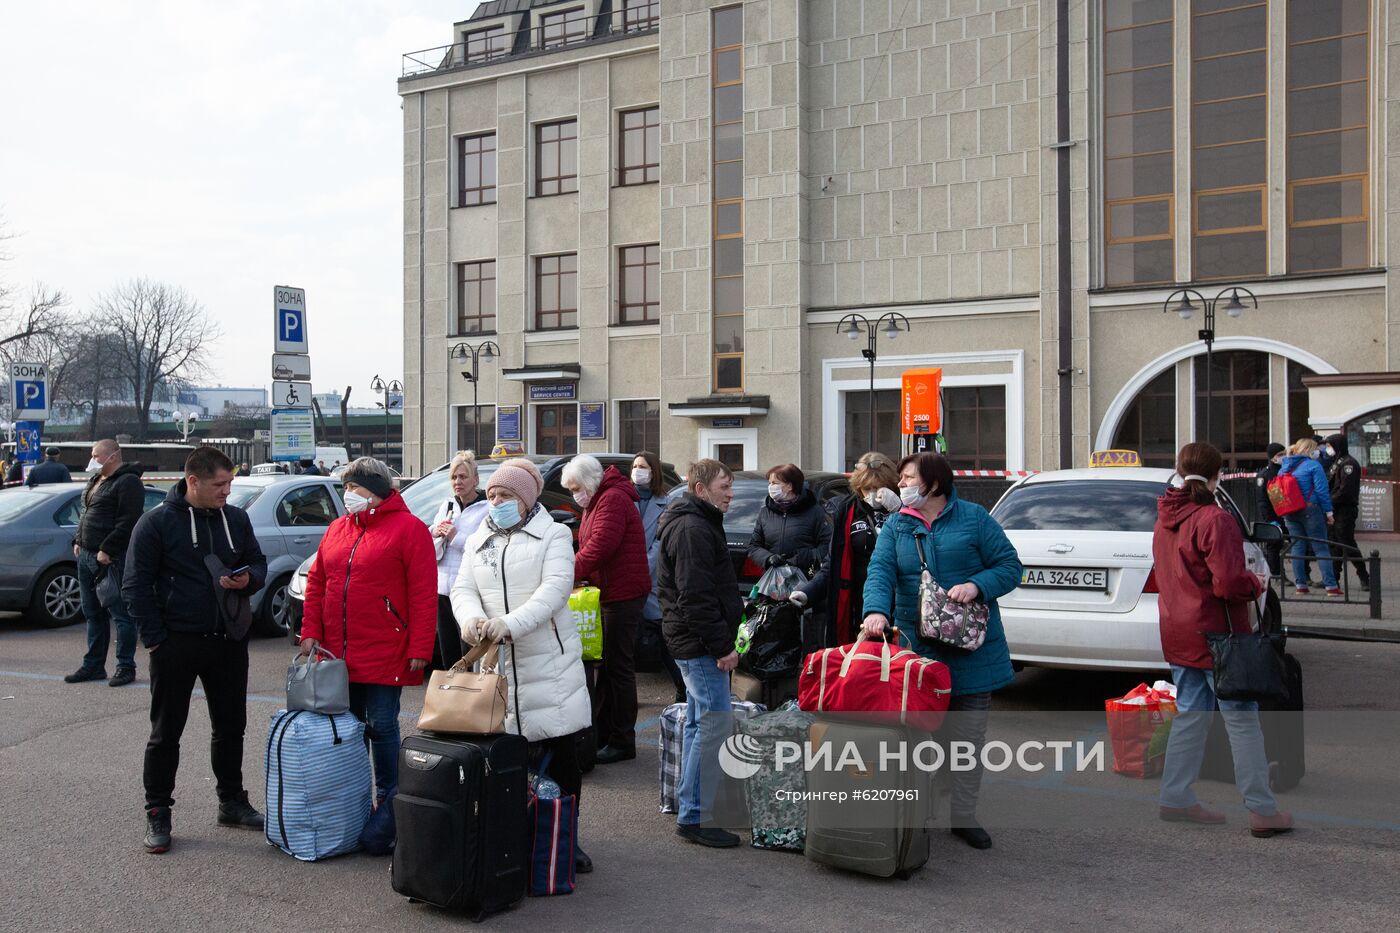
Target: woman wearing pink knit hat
point(513, 588)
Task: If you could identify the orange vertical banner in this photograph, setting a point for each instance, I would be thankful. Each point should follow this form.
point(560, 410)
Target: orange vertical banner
point(919, 413)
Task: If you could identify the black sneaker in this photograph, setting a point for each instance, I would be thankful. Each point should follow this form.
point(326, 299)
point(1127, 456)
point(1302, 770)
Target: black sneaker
point(124, 676)
point(85, 673)
point(975, 836)
point(157, 830)
point(239, 813)
point(712, 837)
point(611, 754)
point(582, 863)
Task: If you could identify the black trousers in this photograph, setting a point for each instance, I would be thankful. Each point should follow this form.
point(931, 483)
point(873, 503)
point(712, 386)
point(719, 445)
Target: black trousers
point(615, 683)
point(1343, 531)
point(449, 635)
point(221, 666)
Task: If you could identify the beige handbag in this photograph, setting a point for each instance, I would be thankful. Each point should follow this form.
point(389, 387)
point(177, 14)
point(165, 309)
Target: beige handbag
point(463, 701)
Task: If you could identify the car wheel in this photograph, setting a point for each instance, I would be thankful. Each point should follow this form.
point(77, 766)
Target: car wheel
point(56, 601)
point(273, 620)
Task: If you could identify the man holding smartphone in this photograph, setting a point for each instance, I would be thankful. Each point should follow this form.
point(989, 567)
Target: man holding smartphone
point(191, 567)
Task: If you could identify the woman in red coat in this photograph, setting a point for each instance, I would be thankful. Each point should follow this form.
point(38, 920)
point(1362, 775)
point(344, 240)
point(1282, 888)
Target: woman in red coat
point(1198, 558)
point(612, 556)
point(371, 598)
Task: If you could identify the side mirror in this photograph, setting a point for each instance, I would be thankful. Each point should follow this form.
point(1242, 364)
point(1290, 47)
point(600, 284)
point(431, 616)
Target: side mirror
point(564, 517)
point(1265, 533)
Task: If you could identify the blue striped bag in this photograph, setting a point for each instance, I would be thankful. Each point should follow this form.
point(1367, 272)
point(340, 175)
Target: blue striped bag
point(319, 787)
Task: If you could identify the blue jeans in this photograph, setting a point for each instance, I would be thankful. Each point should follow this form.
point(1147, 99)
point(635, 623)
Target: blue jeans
point(1186, 743)
point(709, 720)
point(100, 620)
point(1310, 523)
point(377, 706)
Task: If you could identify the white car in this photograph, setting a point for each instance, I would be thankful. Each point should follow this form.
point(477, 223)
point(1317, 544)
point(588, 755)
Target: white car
point(1088, 596)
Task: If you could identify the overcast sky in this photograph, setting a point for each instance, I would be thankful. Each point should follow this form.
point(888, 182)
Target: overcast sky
point(222, 147)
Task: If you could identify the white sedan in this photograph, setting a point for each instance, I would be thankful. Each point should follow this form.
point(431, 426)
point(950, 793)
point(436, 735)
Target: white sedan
point(1088, 596)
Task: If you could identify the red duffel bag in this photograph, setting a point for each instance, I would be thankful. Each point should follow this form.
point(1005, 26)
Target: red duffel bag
point(875, 677)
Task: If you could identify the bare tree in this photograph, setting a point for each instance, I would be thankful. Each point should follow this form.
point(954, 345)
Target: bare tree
point(43, 316)
point(85, 375)
point(162, 336)
point(237, 421)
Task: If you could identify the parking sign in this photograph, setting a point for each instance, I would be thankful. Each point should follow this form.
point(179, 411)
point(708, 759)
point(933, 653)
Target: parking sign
point(29, 391)
point(289, 319)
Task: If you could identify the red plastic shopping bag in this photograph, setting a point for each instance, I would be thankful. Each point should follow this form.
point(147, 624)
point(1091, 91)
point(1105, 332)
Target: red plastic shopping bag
point(1138, 725)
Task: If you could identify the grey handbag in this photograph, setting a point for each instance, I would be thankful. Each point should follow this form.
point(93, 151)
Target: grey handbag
point(319, 685)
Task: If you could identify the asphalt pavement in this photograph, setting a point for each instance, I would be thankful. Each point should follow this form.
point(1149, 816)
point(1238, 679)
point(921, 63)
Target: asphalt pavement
point(71, 859)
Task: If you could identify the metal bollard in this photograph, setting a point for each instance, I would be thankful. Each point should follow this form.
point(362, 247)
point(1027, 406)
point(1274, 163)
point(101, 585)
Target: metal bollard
point(1374, 567)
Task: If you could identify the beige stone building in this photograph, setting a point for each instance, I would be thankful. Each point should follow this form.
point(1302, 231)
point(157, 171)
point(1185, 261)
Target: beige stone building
point(660, 213)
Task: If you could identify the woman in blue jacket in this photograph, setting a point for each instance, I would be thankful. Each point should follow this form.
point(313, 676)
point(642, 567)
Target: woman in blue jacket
point(1312, 521)
point(968, 555)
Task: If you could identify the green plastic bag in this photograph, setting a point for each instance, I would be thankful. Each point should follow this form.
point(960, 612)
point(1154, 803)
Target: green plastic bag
point(586, 604)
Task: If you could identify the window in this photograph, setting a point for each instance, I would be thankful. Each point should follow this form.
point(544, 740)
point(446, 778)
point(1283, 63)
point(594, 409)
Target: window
point(307, 505)
point(1229, 139)
point(556, 292)
point(1239, 406)
point(858, 424)
point(641, 425)
point(473, 434)
point(563, 28)
point(476, 297)
point(482, 45)
point(1149, 425)
point(1139, 204)
point(556, 157)
point(476, 170)
point(727, 255)
point(639, 284)
point(639, 147)
point(640, 14)
point(1328, 95)
point(974, 424)
point(1080, 505)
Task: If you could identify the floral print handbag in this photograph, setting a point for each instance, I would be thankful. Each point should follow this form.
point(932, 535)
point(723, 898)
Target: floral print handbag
point(942, 619)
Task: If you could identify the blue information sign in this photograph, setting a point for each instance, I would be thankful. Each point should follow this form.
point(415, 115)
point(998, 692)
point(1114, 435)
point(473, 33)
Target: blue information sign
point(27, 447)
point(507, 422)
point(592, 421)
point(553, 391)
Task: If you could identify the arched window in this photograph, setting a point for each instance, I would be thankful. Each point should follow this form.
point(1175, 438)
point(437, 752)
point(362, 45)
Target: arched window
point(1149, 425)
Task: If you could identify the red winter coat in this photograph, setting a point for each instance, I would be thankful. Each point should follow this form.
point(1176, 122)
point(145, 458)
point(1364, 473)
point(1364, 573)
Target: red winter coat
point(375, 577)
point(1198, 557)
point(612, 552)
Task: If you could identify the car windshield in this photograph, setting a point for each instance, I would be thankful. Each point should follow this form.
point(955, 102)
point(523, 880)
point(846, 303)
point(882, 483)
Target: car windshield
point(1080, 505)
point(749, 495)
point(240, 496)
point(15, 502)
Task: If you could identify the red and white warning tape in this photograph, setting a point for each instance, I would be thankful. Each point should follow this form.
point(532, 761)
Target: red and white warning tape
point(1000, 474)
point(1364, 479)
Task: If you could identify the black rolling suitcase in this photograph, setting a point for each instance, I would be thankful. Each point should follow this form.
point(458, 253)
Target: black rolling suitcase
point(1282, 723)
point(463, 828)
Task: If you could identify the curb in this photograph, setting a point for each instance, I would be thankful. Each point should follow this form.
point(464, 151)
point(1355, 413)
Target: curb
point(1343, 633)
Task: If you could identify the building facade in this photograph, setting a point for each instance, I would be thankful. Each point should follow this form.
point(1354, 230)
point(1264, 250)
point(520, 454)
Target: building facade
point(637, 224)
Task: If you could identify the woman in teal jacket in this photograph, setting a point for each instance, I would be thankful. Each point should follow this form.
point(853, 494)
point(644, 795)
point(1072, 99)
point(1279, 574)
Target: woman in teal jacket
point(968, 555)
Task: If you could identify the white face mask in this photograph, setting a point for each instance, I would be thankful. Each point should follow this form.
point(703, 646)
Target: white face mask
point(911, 497)
point(775, 491)
point(93, 466)
point(354, 502)
point(641, 476)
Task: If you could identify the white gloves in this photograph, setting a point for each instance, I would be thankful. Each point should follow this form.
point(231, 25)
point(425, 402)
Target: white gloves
point(798, 599)
point(889, 500)
point(471, 632)
point(495, 630)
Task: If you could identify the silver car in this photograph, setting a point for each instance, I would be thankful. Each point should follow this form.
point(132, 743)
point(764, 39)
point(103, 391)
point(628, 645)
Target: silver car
point(38, 575)
point(290, 515)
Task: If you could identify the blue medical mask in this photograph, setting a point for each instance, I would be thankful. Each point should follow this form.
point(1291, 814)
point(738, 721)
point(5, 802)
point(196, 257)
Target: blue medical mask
point(505, 514)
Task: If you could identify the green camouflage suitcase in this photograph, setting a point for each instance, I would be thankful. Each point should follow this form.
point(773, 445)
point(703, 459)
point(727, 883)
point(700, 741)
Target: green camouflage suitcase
point(777, 821)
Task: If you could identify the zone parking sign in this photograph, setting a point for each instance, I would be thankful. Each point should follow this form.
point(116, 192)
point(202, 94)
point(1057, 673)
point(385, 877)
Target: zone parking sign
point(29, 396)
point(289, 319)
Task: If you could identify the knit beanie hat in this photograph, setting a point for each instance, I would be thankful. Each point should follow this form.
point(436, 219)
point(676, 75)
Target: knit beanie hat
point(519, 476)
point(1273, 450)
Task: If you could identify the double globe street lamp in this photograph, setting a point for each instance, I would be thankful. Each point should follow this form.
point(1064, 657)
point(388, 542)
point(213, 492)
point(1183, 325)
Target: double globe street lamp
point(1186, 309)
point(484, 352)
point(853, 325)
point(386, 389)
point(185, 424)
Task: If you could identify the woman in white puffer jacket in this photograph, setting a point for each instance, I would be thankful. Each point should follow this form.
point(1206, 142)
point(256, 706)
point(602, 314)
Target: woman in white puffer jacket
point(514, 583)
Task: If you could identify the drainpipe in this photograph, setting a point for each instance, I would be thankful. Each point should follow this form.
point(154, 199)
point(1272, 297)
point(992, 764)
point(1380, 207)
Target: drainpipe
point(1065, 325)
point(422, 316)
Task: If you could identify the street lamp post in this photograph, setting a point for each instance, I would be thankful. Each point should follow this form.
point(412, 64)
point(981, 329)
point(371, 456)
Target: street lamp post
point(185, 424)
point(852, 325)
point(1234, 308)
point(484, 352)
point(386, 388)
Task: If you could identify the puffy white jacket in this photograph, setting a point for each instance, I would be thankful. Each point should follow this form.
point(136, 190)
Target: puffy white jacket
point(524, 577)
point(449, 553)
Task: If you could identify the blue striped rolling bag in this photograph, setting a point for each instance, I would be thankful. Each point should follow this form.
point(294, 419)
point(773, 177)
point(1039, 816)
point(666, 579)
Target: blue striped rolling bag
point(319, 787)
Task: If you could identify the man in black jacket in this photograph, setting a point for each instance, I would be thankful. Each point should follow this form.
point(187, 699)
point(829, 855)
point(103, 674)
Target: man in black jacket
point(700, 609)
point(112, 503)
point(192, 608)
point(50, 471)
point(1272, 551)
point(1344, 485)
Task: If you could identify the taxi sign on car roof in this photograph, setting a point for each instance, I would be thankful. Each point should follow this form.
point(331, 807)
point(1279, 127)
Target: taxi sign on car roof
point(1115, 458)
point(507, 450)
